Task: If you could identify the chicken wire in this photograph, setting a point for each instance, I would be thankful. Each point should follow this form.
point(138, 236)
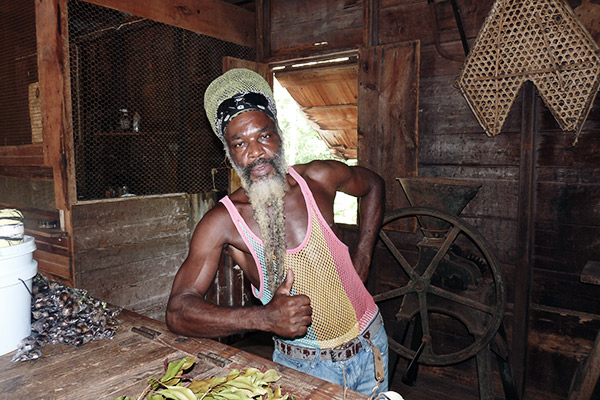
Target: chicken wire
point(137, 89)
point(20, 116)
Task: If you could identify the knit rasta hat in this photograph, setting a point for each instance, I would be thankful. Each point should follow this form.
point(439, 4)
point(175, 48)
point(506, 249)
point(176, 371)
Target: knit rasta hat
point(236, 91)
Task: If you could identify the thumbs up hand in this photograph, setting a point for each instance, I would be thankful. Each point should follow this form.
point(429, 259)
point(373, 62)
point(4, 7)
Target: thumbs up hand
point(286, 286)
point(288, 316)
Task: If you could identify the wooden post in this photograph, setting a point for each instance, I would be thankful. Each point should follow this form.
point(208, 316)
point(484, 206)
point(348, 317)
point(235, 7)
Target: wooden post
point(263, 30)
point(53, 73)
point(370, 23)
point(525, 236)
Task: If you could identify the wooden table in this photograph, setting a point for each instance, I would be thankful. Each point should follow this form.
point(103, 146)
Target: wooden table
point(108, 368)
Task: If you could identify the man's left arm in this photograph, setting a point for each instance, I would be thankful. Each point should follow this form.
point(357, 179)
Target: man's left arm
point(369, 187)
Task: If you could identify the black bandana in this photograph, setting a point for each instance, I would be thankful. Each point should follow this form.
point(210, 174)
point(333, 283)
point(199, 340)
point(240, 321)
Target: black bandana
point(239, 103)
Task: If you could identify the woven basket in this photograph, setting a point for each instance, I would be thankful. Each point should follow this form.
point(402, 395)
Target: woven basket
point(537, 40)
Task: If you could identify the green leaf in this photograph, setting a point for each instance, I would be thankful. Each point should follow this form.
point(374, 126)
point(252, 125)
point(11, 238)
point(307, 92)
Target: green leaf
point(271, 376)
point(173, 369)
point(178, 393)
point(189, 363)
point(205, 386)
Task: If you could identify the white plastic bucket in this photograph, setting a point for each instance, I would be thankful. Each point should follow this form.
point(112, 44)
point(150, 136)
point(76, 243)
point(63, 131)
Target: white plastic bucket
point(16, 262)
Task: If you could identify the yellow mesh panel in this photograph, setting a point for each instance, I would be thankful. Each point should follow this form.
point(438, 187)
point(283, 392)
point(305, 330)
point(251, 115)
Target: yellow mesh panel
point(334, 317)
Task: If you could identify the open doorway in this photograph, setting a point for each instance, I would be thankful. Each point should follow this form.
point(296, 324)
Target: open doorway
point(317, 113)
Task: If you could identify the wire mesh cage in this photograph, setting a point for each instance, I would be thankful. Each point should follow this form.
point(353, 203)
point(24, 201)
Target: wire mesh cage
point(20, 113)
point(137, 89)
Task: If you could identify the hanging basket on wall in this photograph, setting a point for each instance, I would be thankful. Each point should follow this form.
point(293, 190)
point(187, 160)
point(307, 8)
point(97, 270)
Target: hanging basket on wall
point(541, 41)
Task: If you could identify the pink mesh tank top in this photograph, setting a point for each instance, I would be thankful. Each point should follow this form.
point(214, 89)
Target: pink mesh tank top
point(323, 270)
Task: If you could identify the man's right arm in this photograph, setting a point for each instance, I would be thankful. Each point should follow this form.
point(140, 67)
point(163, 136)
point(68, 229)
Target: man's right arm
point(189, 314)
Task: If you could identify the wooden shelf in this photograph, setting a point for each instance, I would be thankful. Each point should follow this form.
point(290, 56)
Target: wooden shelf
point(48, 233)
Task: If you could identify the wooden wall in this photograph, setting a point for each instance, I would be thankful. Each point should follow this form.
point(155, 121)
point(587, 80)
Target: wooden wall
point(25, 178)
point(144, 239)
point(304, 27)
point(564, 314)
point(127, 251)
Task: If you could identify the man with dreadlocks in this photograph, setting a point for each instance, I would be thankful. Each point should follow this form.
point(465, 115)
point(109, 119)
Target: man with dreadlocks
point(278, 227)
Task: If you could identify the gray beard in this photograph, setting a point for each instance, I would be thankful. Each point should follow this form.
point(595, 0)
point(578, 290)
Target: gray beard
point(266, 199)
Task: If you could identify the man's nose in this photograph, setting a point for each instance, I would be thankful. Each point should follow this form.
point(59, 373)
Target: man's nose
point(256, 150)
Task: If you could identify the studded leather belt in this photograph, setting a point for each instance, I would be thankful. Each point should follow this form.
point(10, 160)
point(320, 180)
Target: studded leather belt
point(342, 352)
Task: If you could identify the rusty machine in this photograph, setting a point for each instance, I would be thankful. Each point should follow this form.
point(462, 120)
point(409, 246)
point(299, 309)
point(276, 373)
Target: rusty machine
point(448, 294)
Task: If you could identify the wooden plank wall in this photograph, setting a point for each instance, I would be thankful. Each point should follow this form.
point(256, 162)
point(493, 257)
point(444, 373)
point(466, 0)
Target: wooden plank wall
point(564, 315)
point(27, 193)
point(128, 250)
point(26, 180)
point(305, 27)
point(387, 114)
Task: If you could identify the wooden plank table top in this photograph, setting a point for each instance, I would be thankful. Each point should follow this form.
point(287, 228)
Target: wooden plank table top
point(120, 366)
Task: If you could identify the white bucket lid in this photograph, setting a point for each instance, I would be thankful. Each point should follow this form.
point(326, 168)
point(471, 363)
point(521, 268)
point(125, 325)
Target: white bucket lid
point(13, 269)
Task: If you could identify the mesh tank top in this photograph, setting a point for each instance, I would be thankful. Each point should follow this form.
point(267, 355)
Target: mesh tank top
point(323, 270)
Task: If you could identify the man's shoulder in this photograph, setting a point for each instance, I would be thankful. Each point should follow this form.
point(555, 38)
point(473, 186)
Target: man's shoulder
point(216, 214)
point(316, 166)
point(239, 197)
point(216, 229)
point(318, 169)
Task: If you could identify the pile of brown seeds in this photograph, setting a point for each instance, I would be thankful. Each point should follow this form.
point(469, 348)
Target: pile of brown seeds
point(61, 314)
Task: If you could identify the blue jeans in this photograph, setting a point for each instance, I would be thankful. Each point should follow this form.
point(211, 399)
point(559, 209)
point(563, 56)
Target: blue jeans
point(356, 373)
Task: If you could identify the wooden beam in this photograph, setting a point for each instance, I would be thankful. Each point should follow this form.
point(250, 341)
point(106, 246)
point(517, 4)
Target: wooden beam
point(370, 22)
point(214, 18)
point(525, 236)
point(53, 74)
point(32, 155)
point(263, 30)
point(34, 172)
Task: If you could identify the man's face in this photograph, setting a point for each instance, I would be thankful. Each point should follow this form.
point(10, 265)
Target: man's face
point(254, 144)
